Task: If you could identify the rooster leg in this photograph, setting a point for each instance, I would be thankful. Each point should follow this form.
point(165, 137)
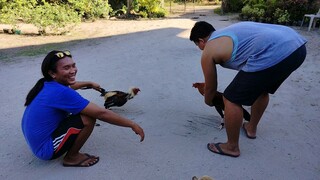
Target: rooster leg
point(220, 111)
point(246, 115)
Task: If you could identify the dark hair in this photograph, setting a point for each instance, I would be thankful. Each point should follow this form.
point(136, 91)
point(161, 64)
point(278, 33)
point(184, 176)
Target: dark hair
point(201, 29)
point(48, 64)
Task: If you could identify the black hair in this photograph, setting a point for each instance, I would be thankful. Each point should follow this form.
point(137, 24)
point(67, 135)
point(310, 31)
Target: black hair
point(201, 29)
point(48, 64)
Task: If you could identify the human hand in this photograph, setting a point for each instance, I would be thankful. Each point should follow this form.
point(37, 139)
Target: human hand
point(138, 130)
point(95, 86)
point(199, 86)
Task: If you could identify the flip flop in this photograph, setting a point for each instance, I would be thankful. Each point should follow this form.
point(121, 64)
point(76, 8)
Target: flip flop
point(80, 164)
point(217, 145)
point(96, 157)
point(246, 132)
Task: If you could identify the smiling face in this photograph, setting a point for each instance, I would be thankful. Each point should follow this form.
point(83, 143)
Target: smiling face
point(66, 71)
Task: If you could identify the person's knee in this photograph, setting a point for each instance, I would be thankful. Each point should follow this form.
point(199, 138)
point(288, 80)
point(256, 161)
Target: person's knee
point(230, 105)
point(265, 96)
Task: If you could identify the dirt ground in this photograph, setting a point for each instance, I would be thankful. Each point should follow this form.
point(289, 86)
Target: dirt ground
point(157, 57)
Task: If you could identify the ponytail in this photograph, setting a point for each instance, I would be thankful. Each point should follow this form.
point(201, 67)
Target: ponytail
point(48, 64)
point(34, 91)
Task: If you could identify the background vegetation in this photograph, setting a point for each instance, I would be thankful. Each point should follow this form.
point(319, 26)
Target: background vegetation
point(59, 16)
point(289, 12)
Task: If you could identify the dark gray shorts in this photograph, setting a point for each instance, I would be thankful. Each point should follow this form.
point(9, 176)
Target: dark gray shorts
point(246, 87)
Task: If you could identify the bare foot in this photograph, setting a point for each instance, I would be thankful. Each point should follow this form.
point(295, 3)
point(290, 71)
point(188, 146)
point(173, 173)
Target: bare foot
point(249, 133)
point(80, 160)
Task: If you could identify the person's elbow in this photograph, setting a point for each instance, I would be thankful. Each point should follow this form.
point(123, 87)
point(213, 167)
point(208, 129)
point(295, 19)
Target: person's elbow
point(94, 111)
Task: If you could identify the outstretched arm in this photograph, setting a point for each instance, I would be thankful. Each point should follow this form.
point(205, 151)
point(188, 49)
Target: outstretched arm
point(85, 84)
point(108, 116)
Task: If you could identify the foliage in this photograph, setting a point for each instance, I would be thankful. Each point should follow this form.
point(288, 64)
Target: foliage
point(91, 9)
point(253, 2)
point(12, 13)
point(277, 11)
point(218, 11)
point(119, 12)
point(143, 8)
point(254, 14)
point(43, 15)
point(53, 17)
point(152, 8)
point(296, 8)
point(117, 4)
point(281, 16)
point(231, 5)
point(214, 2)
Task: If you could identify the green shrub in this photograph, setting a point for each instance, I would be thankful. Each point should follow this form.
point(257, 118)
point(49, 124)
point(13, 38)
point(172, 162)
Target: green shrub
point(295, 8)
point(58, 19)
point(152, 8)
point(45, 16)
point(283, 11)
point(252, 13)
point(117, 4)
point(260, 6)
point(143, 8)
point(119, 12)
point(258, 13)
point(218, 10)
point(143, 14)
point(14, 12)
point(246, 11)
point(91, 9)
point(229, 6)
point(282, 16)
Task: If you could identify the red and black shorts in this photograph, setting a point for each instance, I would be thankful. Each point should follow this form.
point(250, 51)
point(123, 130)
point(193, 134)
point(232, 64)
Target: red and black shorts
point(65, 135)
point(246, 87)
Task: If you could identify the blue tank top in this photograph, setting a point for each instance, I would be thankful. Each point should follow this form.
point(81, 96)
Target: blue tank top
point(258, 46)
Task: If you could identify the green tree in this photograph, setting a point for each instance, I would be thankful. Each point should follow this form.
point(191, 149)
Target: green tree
point(228, 6)
point(56, 18)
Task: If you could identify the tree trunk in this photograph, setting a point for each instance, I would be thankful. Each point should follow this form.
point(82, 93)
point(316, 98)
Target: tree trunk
point(128, 6)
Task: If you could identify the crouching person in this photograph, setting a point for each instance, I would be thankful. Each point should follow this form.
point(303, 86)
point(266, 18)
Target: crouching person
point(57, 120)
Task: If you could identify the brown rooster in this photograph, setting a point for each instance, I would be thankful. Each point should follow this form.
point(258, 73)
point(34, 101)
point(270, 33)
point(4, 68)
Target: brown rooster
point(117, 98)
point(218, 103)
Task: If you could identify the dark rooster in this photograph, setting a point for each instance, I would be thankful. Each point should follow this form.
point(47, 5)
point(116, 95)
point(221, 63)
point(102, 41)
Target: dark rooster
point(117, 98)
point(218, 103)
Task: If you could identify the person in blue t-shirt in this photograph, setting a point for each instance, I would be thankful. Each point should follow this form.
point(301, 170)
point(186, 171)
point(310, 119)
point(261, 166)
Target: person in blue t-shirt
point(57, 120)
point(264, 54)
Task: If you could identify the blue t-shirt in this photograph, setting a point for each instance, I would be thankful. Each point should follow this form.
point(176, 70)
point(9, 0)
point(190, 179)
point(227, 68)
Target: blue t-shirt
point(52, 105)
point(258, 46)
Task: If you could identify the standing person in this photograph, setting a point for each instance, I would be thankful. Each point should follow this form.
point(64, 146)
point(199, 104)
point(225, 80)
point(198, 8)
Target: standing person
point(57, 120)
point(264, 54)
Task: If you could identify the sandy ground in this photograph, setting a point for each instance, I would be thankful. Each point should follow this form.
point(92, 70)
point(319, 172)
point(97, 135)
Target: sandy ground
point(157, 56)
